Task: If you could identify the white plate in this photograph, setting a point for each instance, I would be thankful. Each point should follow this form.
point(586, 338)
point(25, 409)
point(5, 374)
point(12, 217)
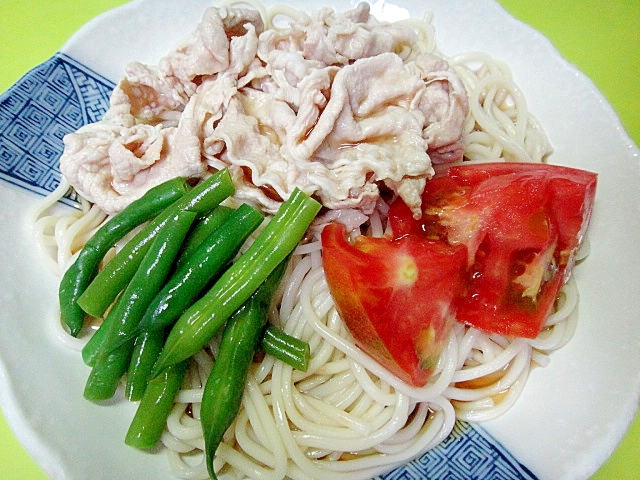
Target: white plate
point(572, 413)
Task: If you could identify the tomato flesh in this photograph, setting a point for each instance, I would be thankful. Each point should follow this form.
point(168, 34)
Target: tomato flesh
point(522, 225)
point(493, 248)
point(395, 296)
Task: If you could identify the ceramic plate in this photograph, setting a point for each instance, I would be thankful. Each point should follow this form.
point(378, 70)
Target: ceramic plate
point(572, 413)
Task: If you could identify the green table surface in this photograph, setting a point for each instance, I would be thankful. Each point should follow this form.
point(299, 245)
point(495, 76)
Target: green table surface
point(601, 38)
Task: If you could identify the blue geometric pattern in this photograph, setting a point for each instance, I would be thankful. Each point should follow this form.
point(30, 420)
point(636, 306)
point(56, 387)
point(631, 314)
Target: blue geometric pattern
point(469, 453)
point(61, 95)
point(53, 99)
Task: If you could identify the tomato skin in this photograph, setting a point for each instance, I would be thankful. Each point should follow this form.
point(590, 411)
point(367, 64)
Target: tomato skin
point(522, 225)
point(493, 248)
point(395, 296)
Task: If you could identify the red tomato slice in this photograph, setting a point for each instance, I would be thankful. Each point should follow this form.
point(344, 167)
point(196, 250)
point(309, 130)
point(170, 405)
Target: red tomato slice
point(522, 225)
point(395, 296)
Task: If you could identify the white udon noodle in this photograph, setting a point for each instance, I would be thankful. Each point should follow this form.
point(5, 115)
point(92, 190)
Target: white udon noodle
point(347, 417)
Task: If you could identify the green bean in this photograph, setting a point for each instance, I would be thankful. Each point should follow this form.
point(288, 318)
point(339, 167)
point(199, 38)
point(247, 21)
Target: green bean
point(223, 390)
point(155, 406)
point(148, 280)
point(106, 373)
point(146, 348)
point(201, 230)
point(93, 346)
point(78, 276)
point(287, 348)
point(196, 272)
point(275, 242)
point(111, 362)
point(110, 281)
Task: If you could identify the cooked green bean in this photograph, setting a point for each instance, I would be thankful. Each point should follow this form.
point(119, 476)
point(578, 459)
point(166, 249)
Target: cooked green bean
point(80, 274)
point(289, 349)
point(92, 347)
point(106, 373)
point(204, 318)
point(110, 281)
point(223, 391)
point(146, 349)
point(201, 230)
point(196, 272)
point(113, 358)
point(155, 406)
point(147, 281)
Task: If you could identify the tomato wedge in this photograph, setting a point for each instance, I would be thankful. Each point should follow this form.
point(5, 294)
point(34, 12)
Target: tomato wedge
point(522, 225)
point(492, 249)
point(395, 296)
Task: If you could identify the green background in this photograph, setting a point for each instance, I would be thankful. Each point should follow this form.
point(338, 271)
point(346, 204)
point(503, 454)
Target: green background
point(602, 37)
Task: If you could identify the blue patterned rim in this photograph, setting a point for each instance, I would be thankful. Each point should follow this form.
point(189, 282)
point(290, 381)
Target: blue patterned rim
point(61, 95)
point(53, 99)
